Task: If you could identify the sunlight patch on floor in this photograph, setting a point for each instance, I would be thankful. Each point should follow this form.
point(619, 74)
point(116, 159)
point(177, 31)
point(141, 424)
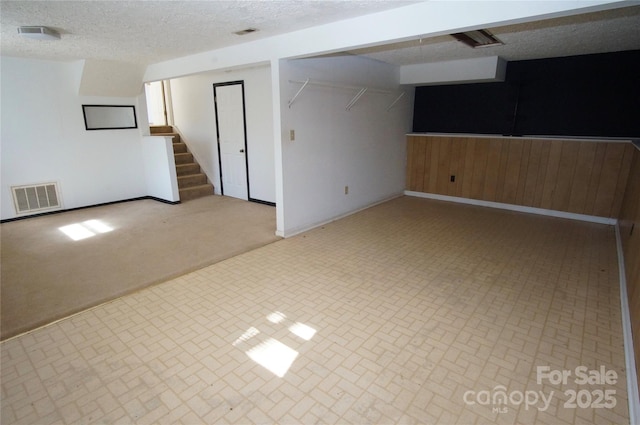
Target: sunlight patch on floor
point(274, 356)
point(86, 229)
point(303, 331)
point(270, 353)
point(276, 317)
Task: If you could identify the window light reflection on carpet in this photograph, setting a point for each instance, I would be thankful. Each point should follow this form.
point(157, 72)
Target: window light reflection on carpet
point(86, 229)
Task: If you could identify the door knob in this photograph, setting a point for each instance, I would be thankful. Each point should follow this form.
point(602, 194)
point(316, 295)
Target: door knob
point(241, 150)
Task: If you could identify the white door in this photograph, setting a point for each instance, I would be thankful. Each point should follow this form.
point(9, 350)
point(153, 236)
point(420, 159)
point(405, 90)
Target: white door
point(229, 104)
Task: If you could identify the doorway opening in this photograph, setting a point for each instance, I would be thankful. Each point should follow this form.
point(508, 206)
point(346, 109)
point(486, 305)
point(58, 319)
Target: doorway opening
point(156, 103)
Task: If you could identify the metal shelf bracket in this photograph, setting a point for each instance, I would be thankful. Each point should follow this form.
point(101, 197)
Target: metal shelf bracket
point(295, 96)
point(395, 101)
point(360, 92)
point(355, 99)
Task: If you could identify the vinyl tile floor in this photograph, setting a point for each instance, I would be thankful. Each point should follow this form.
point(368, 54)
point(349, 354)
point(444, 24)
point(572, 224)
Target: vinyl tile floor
point(410, 312)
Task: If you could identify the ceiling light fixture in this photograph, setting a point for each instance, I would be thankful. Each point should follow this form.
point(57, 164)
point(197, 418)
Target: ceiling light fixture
point(246, 31)
point(477, 38)
point(39, 33)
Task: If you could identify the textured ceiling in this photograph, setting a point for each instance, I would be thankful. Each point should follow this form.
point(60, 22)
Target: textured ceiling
point(597, 32)
point(153, 31)
point(147, 32)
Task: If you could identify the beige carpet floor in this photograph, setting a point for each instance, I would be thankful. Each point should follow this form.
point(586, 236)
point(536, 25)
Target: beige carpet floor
point(46, 275)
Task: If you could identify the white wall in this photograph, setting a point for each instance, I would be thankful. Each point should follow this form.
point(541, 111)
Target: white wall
point(43, 138)
point(363, 148)
point(160, 168)
point(194, 117)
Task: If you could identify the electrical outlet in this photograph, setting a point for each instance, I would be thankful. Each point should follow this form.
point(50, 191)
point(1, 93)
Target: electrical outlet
point(292, 135)
point(346, 190)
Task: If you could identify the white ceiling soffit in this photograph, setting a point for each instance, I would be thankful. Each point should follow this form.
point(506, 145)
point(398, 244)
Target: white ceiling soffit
point(147, 32)
point(597, 32)
point(476, 70)
point(111, 78)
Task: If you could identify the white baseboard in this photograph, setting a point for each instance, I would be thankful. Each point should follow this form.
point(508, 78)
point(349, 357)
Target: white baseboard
point(629, 354)
point(296, 231)
point(511, 207)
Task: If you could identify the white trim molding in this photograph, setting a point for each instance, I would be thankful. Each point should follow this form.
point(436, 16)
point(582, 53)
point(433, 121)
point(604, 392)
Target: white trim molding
point(296, 231)
point(511, 207)
point(629, 354)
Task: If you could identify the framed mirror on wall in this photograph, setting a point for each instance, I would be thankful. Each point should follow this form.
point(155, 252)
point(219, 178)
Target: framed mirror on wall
point(109, 117)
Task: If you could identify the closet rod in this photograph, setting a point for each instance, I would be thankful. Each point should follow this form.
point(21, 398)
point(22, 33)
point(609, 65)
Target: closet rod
point(340, 86)
point(361, 91)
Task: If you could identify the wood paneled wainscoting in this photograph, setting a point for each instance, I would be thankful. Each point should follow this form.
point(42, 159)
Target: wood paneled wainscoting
point(630, 235)
point(582, 177)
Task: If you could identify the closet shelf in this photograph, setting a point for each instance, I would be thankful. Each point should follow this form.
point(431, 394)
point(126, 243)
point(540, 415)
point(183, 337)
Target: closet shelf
point(360, 91)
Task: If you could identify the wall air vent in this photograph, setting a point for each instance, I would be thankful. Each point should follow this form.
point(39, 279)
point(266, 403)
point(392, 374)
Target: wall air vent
point(35, 198)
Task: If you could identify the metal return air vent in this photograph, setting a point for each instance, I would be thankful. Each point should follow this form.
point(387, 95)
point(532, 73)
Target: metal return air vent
point(39, 33)
point(33, 198)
